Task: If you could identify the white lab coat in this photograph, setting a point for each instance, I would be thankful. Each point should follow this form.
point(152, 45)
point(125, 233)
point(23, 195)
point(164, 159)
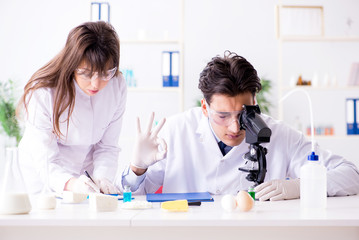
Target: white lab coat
point(91, 142)
point(194, 162)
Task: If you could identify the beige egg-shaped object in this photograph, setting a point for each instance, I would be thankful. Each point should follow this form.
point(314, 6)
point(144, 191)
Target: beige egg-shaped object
point(244, 201)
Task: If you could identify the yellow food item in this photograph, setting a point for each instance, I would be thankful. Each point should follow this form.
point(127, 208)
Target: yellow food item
point(175, 206)
point(244, 201)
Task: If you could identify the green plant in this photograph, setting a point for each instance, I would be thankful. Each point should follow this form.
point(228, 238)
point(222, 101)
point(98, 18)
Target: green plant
point(262, 96)
point(9, 122)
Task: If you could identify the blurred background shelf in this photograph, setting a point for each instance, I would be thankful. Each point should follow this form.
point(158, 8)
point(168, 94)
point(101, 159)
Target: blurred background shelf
point(149, 41)
point(321, 54)
point(154, 90)
point(320, 39)
point(322, 88)
point(336, 137)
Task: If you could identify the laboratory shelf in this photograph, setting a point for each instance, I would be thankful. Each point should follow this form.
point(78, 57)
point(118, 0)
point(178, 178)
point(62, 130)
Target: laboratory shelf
point(154, 90)
point(320, 39)
point(321, 88)
point(335, 137)
point(150, 41)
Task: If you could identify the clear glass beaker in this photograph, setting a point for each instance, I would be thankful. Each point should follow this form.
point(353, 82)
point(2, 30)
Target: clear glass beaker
point(46, 199)
point(14, 198)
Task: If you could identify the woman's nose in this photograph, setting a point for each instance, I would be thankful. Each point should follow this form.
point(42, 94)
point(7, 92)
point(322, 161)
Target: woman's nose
point(95, 81)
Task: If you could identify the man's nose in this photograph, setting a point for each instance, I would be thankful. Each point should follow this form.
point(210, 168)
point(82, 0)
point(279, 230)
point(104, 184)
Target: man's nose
point(234, 125)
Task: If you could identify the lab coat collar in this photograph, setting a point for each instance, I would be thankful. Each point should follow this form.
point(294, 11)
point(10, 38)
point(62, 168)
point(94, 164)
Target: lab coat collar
point(79, 91)
point(203, 127)
point(206, 137)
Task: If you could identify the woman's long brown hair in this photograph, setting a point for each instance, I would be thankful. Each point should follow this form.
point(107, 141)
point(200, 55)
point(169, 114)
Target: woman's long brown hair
point(95, 42)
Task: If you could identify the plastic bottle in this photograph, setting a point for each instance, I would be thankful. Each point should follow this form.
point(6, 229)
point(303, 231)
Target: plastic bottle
point(313, 184)
point(127, 194)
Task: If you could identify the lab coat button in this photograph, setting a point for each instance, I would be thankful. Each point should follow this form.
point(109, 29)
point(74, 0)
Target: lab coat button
point(218, 191)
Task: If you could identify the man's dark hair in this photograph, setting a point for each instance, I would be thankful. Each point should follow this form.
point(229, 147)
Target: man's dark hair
point(229, 75)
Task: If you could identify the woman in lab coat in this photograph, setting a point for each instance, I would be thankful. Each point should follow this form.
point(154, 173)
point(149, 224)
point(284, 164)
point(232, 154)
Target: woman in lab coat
point(74, 107)
point(195, 163)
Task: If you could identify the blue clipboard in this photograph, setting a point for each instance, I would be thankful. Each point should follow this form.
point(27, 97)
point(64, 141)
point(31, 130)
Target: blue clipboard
point(190, 197)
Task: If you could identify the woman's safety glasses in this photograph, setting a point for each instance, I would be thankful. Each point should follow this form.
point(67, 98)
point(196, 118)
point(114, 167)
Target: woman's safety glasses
point(87, 75)
point(223, 118)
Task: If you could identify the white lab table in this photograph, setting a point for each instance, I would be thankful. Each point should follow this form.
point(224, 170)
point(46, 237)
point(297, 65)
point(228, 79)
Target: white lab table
point(267, 220)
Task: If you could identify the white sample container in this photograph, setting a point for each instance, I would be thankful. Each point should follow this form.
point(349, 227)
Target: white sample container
point(103, 203)
point(15, 203)
point(72, 197)
point(313, 184)
point(46, 201)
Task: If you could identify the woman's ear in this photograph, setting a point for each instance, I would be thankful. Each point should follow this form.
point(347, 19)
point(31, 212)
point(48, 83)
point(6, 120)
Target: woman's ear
point(204, 107)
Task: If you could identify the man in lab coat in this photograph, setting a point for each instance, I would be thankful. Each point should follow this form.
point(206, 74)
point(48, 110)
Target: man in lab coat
point(192, 160)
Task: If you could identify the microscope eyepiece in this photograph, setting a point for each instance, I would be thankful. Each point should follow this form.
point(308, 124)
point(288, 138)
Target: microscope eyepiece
point(256, 129)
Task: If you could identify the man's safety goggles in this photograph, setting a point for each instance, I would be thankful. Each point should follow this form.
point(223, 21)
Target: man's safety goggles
point(223, 118)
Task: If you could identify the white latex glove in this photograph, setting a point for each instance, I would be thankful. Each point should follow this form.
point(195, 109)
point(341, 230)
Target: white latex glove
point(146, 148)
point(106, 186)
point(84, 185)
point(278, 190)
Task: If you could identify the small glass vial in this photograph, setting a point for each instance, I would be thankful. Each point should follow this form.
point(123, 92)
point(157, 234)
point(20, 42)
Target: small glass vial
point(252, 193)
point(127, 194)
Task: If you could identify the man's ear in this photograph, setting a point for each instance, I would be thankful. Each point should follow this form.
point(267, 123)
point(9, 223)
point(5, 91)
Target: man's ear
point(255, 99)
point(204, 107)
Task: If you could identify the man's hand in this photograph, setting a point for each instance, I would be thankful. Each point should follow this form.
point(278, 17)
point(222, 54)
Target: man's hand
point(146, 152)
point(278, 190)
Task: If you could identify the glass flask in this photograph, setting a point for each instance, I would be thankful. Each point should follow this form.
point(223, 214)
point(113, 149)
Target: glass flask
point(46, 199)
point(14, 198)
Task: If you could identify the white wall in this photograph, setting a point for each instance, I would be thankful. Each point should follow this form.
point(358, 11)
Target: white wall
point(32, 32)
point(245, 27)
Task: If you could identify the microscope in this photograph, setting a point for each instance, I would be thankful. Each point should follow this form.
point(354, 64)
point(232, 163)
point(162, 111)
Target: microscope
point(257, 132)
